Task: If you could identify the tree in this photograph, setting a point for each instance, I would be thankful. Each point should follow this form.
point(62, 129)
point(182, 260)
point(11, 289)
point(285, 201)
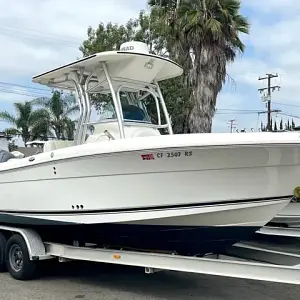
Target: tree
point(146, 28)
point(281, 125)
point(293, 124)
point(204, 36)
point(106, 38)
point(275, 126)
point(28, 123)
point(58, 109)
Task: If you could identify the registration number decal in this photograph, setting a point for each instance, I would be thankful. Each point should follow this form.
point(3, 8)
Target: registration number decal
point(147, 156)
point(171, 154)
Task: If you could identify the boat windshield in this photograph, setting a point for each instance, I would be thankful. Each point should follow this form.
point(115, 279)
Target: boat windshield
point(133, 108)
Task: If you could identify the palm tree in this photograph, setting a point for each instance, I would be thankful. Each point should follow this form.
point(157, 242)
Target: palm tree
point(28, 123)
point(202, 35)
point(59, 109)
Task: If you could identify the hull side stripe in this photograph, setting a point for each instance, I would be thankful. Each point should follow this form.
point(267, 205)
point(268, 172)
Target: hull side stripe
point(129, 210)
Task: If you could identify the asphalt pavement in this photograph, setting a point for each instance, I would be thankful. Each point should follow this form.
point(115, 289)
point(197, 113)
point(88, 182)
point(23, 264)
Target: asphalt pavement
point(68, 281)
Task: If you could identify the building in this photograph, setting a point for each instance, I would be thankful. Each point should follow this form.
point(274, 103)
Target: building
point(3, 141)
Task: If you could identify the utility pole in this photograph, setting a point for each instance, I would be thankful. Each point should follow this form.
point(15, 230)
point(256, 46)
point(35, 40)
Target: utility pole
point(232, 124)
point(269, 89)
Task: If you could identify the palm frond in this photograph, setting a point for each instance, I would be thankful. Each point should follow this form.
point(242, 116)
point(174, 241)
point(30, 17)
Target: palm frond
point(39, 115)
point(12, 131)
point(69, 128)
point(214, 28)
point(41, 101)
point(71, 111)
point(40, 130)
point(241, 24)
point(23, 109)
point(56, 105)
point(7, 117)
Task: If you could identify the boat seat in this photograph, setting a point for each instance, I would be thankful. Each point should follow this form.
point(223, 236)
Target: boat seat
point(5, 156)
point(133, 113)
point(131, 131)
point(54, 145)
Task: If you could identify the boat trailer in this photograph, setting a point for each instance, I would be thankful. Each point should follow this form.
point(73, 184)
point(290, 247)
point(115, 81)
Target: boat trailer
point(21, 250)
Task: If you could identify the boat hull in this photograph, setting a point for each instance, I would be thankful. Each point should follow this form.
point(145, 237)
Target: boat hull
point(148, 178)
point(188, 230)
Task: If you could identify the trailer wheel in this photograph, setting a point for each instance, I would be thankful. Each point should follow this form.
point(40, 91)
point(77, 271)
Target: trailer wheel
point(3, 242)
point(17, 259)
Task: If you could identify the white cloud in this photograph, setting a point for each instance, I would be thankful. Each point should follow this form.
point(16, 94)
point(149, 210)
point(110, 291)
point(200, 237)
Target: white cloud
point(38, 35)
point(282, 34)
point(11, 98)
point(273, 7)
point(247, 70)
point(230, 100)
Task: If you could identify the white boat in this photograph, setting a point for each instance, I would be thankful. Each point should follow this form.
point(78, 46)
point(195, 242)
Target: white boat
point(128, 185)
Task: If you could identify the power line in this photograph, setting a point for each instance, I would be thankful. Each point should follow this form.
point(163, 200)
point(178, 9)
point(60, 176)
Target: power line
point(41, 38)
point(238, 110)
point(273, 110)
point(14, 88)
point(24, 86)
point(290, 115)
point(39, 31)
point(20, 92)
point(284, 104)
point(237, 113)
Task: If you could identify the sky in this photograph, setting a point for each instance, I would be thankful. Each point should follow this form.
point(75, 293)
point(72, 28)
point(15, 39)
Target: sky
point(40, 35)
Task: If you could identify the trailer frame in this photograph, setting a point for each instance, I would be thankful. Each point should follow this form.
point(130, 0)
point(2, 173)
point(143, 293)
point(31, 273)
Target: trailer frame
point(236, 265)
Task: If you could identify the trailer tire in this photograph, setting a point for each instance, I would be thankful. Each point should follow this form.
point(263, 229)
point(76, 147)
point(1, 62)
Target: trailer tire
point(3, 242)
point(17, 259)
